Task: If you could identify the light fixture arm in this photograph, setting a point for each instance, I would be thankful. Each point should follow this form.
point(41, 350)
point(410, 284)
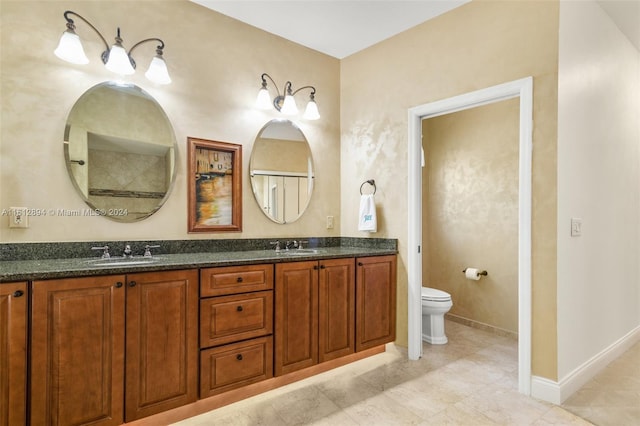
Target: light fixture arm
point(159, 49)
point(71, 26)
point(264, 82)
point(313, 90)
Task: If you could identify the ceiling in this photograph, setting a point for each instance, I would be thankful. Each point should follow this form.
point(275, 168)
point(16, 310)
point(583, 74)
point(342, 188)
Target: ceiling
point(337, 28)
point(340, 28)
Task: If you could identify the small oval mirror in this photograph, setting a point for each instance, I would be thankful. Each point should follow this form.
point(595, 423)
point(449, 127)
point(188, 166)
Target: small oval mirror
point(281, 170)
point(120, 151)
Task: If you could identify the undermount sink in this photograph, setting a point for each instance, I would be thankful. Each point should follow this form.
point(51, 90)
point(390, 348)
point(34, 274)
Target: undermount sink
point(122, 261)
point(300, 252)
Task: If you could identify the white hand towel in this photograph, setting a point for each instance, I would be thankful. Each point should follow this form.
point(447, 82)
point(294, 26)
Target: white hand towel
point(367, 220)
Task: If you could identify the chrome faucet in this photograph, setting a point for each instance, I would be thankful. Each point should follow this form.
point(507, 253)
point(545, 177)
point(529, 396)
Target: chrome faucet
point(147, 250)
point(105, 251)
point(277, 244)
point(127, 251)
point(291, 244)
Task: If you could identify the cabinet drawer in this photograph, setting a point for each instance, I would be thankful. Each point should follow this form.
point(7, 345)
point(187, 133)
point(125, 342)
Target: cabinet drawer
point(235, 365)
point(235, 279)
point(227, 319)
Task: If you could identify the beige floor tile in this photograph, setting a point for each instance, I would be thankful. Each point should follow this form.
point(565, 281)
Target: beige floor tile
point(471, 381)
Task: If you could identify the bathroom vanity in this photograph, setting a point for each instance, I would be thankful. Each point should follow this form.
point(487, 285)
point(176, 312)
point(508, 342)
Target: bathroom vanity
point(154, 343)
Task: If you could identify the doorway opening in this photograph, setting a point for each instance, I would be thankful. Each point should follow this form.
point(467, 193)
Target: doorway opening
point(522, 89)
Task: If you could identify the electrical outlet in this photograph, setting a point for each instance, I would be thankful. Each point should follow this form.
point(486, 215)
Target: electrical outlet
point(329, 222)
point(18, 217)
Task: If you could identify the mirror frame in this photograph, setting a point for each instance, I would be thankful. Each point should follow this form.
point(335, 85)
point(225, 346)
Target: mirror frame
point(116, 214)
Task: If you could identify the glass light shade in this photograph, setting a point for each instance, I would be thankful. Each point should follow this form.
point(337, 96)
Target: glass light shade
point(119, 61)
point(157, 71)
point(311, 112)
point(289, 106)
point(263, 101)
point(70, 49)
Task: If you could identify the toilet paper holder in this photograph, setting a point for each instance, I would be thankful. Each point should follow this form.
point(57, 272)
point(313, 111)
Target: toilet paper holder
point(482, 272)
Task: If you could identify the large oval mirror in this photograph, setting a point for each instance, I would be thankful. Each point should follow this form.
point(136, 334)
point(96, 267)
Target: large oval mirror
point(281, 170)
point(120, 151)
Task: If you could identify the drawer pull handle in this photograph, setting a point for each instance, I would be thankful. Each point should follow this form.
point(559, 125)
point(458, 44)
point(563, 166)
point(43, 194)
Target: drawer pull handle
point(239, 279)
point(239, 357)
point(239, 309)
point(18, 293)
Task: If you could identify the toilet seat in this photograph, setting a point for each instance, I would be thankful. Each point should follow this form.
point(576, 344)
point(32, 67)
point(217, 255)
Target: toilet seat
point(435, 295)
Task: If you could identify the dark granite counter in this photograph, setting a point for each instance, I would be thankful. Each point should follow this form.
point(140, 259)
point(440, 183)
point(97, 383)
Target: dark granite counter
point(49, 267)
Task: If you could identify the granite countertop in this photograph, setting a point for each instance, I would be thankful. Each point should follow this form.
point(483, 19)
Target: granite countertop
point(40, 269)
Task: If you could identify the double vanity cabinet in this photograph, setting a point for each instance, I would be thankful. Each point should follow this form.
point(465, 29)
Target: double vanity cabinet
point(112, 349)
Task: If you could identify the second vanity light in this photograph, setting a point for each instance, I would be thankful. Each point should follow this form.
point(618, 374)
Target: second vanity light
point(115, 58)
point(285, 103)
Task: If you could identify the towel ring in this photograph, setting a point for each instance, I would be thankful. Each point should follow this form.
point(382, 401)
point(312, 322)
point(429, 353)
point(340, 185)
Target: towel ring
point(370, 182)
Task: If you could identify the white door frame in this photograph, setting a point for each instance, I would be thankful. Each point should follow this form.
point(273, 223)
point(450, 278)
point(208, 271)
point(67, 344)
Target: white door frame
point(523, 89)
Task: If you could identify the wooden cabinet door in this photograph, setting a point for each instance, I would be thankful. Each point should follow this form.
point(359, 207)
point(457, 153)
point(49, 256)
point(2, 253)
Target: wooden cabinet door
point(336, 308)
point(161, 342)
point(77, 349)
point(375, 301)
point(13, 353)
point(296, 319)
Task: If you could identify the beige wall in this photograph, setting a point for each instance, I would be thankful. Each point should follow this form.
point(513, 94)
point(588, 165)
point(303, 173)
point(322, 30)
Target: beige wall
point(215, 63)
point(470, 210)
point(478, 45)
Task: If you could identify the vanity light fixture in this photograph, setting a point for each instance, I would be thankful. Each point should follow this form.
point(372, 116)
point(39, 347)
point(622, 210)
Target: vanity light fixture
point(286, 104)
point(115, 58)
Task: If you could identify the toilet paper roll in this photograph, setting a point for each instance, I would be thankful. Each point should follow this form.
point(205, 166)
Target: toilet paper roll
point(472, 274)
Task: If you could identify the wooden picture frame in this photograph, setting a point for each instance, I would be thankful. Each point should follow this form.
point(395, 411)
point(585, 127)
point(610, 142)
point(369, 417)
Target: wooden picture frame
point(214, 179)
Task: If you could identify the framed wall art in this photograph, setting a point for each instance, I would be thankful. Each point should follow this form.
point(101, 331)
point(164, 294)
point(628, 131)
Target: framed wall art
point(214, 185)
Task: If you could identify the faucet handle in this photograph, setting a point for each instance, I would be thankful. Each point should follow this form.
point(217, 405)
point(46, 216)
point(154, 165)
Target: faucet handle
point(127, 251)
point(300, 243)
point(147, 250)
point(105, 251)
point(277, 244)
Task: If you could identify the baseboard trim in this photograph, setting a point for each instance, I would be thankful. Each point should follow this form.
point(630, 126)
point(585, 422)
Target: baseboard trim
point(482, 326)
point(558, 392)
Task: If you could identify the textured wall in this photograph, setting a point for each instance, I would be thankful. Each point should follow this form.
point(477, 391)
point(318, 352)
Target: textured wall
point(215, 63)
point(470, 210)
point(478, 45)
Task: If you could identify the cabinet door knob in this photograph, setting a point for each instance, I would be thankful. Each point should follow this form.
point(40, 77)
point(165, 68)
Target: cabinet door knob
point(360, 264)
point(239, 279)
point(315, 267)
point(18, 293)
point(239, 357)
point(322, 266)
point(132, 283)
point(119, 284)
point(239, 309)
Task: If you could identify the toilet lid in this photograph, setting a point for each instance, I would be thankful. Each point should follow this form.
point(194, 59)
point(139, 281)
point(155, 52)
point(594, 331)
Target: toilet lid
point(435, 294)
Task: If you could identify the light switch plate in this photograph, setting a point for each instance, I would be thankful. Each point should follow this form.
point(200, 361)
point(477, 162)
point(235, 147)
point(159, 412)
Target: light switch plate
point(576, 227)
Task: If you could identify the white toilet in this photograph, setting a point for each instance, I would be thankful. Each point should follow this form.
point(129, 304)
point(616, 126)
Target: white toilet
point(435, 303)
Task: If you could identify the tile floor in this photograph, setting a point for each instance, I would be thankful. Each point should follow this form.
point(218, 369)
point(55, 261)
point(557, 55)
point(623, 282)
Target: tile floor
point(612, 398)
point(470, 381)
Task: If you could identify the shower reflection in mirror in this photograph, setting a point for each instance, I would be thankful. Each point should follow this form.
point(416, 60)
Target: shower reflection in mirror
point(281, 170)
